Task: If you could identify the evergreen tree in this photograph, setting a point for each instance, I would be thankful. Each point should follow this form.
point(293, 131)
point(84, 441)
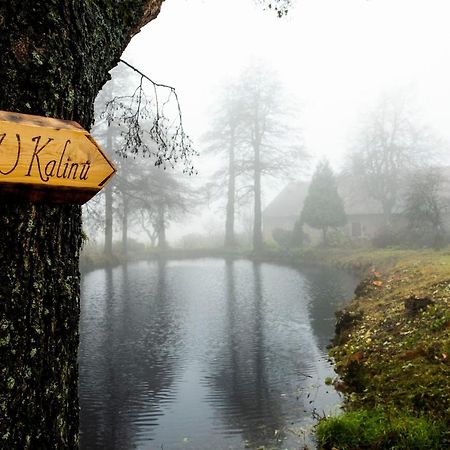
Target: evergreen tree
point(323, 207)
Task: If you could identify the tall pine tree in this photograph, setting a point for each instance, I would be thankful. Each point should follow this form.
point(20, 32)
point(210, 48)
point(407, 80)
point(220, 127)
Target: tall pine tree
point(323, 207)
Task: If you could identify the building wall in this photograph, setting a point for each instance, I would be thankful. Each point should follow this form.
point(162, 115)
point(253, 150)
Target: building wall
point(366, 226)
point(359, 226)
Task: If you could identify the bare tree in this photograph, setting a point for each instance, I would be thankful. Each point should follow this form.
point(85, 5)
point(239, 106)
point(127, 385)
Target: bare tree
point(427, 202)
point(224, 139)
point(151, 122)
point(251, 130)
point(111, 135)
point(274, 147)
point(281, 7)
point(162, 198)
point(389, 144)
point(133, 122)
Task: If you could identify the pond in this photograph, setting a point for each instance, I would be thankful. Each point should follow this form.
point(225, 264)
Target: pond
point(205, 354)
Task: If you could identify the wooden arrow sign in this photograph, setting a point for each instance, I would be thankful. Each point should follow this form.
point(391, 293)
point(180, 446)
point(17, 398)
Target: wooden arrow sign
point(44, 159)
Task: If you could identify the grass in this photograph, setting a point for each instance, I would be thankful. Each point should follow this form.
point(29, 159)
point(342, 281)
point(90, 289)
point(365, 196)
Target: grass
point(380, 429)
point(395, 356)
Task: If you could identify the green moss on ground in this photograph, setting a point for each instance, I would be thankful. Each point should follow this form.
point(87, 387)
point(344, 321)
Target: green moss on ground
point(380, 429)
point(392, 349)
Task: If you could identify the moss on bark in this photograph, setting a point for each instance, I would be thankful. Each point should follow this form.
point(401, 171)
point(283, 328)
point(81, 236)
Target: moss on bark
point(55, 58)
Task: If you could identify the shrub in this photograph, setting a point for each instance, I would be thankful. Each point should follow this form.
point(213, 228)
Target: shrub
point(282, 237)
point(387, 237)
point(337, 238)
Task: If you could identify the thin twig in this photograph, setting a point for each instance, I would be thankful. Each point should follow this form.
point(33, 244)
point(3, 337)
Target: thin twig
point(169, 137)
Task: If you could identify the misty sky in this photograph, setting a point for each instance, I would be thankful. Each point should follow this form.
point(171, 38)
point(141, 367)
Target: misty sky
point(336, 56)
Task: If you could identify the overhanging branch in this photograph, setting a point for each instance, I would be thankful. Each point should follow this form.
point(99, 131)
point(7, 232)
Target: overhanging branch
point(146, 127)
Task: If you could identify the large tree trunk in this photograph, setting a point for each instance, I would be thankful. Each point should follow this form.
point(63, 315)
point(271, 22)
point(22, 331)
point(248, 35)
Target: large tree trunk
point(39, 307)
point(55, 58)
point(230, 240)
point(162, 240)
point(387, 207)
point(257, 218)
point(126, 205)
point(258, 131)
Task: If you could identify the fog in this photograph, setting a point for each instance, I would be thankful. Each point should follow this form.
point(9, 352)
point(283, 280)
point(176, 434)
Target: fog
point(254, 152)
point(336, 57)
point(334, 61)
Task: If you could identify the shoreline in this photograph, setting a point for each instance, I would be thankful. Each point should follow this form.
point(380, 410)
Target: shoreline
point(391, 352)
point(392, 343)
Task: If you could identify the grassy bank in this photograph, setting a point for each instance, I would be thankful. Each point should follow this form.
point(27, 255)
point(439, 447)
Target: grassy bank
point(392, 347)
point(392, 353)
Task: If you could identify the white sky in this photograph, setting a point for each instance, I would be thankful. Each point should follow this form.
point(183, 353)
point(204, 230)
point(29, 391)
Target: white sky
point(336, 56)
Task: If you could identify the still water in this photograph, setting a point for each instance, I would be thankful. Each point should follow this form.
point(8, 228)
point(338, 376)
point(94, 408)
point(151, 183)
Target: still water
point(205, 354)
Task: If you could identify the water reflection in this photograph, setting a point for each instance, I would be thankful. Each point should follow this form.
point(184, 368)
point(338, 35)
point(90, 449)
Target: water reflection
point(204, 354)
point(328, 288)
point(129, 342)
point(240, 390)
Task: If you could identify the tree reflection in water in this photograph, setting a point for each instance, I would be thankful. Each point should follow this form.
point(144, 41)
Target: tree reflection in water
point(129, 340)
point(204, 354)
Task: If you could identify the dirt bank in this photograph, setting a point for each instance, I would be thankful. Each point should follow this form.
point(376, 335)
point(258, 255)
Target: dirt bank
point(392, 345)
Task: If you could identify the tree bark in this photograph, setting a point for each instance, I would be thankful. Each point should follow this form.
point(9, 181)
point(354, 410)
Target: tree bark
point(39, 307)
point(387, 206)
point(162, 240)
point(108, 221)
point(258, 131)
point(230, 241)
point(257, 218)
point(55, 58)
point(126, 205)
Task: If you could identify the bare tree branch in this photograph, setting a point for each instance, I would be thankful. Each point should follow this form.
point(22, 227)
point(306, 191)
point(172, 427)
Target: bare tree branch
point(145, 118)
point(281, 7)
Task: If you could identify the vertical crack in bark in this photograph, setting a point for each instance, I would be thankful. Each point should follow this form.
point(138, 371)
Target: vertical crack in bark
point(53, 64)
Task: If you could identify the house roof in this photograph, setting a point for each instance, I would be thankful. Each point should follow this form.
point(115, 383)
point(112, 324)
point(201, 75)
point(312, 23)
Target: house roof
point(289, 202)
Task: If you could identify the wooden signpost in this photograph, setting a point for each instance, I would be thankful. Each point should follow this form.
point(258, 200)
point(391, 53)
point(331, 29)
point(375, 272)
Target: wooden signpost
point(51, 160)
